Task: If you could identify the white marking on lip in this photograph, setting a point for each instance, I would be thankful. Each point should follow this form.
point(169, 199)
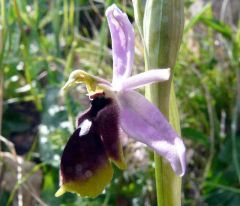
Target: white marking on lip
point(85, 127)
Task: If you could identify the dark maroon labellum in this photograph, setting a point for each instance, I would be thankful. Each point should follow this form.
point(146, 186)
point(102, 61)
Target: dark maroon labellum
point(94, 141)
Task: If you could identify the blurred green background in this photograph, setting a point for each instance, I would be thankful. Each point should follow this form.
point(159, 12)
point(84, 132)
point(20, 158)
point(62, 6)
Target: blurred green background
point(42, 41)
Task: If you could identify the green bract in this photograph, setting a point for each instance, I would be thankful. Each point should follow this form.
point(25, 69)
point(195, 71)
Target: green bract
point(161, 26)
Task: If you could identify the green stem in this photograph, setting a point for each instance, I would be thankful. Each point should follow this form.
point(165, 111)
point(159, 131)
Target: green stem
point(65, 18)
point(1, 103)
point(3, 34)
point(161, 27)
point(71, 19)
point(234, 127)
point(26, 56)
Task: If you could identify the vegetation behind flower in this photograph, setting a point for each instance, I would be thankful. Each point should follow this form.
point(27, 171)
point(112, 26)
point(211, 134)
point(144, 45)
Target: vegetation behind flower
point(48, 39)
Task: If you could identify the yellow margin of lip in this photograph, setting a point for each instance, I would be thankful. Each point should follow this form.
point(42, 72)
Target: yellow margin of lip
point(91, 187)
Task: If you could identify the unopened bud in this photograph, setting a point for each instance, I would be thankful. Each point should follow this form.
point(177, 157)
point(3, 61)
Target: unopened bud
point(163, 23)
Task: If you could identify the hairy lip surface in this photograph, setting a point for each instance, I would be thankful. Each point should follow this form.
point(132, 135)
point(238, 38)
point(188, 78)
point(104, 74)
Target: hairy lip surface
point(86, 153)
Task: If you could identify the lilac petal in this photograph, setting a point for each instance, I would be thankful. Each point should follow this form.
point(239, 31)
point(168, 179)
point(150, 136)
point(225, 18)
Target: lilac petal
point(122, 35)
point(151, 76)
point(144, 122)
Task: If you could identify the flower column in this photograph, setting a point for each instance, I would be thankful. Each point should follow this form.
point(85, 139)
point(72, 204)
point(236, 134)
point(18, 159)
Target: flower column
point(161, 26)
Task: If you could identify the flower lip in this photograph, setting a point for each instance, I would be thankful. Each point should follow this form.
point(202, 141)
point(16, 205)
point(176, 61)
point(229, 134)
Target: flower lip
point(95, 95)
point(98, 103)
point(84, 162)
point(87, 154)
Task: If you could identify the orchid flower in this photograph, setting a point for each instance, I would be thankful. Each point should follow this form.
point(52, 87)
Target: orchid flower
point(115, 108)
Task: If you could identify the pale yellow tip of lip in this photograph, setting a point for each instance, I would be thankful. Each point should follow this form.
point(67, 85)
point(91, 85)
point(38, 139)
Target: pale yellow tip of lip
point(60, 192)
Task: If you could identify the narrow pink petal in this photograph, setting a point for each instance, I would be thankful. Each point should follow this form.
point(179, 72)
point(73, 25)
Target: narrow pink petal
point(122, 35)
point(142, 121)
point(148, 77)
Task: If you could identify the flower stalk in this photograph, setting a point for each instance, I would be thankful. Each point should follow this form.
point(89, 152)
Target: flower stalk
point(161, 27)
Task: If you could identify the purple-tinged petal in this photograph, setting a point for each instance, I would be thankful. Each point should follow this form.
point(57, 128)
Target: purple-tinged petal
point(122, 35)
point(144, 122)
point(148, 77)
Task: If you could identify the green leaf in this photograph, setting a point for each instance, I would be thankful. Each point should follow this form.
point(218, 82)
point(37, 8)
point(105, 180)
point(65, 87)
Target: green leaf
point(218, 26)
point(193, 21)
